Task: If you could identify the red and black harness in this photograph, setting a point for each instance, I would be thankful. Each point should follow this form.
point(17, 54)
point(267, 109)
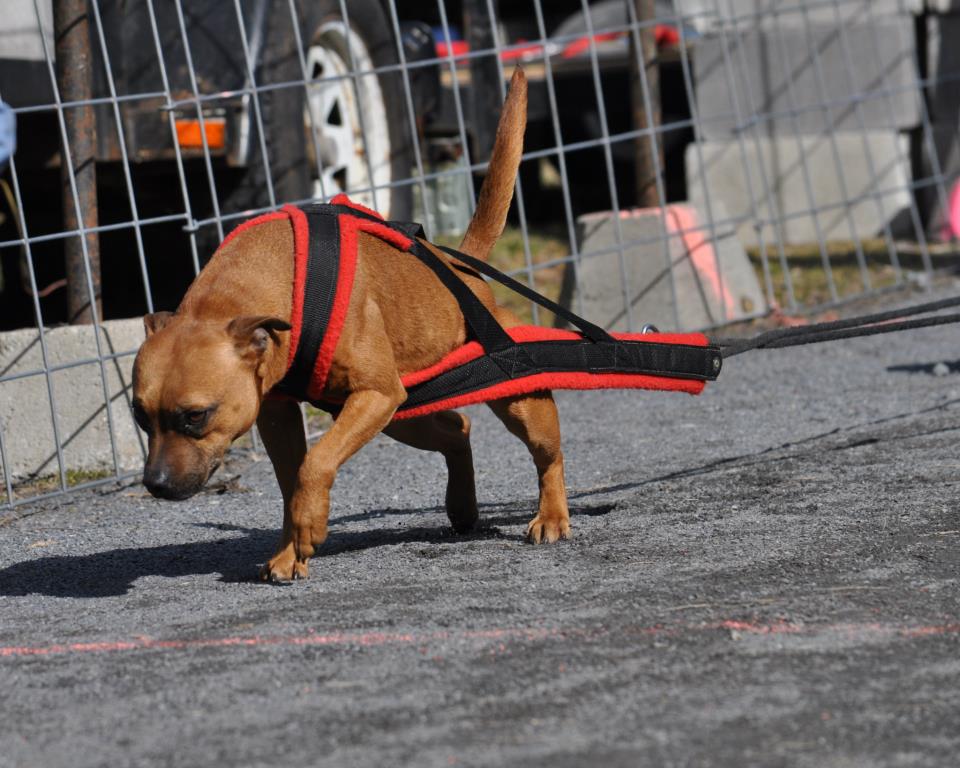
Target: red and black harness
point(496, 362)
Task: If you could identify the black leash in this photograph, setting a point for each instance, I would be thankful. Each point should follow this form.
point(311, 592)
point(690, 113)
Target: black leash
point(865, 325)
point(591, 331)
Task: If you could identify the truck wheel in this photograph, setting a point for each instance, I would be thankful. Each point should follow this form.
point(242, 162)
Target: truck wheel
point(359, 125)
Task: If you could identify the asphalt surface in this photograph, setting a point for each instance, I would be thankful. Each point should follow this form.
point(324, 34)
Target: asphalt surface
point(764, 575)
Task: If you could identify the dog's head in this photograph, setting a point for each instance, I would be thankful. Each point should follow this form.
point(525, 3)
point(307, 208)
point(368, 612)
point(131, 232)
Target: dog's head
point(197, 386)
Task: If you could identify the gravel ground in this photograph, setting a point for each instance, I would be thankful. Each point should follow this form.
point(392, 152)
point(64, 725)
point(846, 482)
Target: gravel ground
point(764, 575)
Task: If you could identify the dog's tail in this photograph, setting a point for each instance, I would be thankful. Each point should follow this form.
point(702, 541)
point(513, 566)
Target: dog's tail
point(497, 191)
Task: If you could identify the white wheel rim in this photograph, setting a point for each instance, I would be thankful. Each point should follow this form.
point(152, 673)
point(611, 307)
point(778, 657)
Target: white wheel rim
point(349, 164)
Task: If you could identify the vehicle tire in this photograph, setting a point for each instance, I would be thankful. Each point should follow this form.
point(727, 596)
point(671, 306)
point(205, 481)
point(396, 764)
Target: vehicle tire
point(354, 136)
point(362, 124)
point(281, 111)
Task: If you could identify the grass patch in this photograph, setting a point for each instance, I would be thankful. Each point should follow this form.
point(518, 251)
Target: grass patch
point(317, 420)
point(811, 285)
point(805, 263)
point(36, 486)
point(78, 476)
point(546, 245)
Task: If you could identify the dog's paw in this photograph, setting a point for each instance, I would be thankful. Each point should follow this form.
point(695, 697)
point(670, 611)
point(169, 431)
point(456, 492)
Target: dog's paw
point(547, 530)
point(463, 514)
point(284, 566)
point(460, 499)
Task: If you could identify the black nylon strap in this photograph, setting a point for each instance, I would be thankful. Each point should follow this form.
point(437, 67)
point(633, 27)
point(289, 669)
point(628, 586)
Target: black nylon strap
point(328, 209)
point(411, 229)
point(482, 324)
point(847, 333)
point(591, 331)
point(865, 325)
point(323, 268)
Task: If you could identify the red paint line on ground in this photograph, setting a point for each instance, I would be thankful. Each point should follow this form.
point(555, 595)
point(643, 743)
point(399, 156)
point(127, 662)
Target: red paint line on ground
point(776, 628)
point(876, 628)
point(336, 638)
point(378, 639)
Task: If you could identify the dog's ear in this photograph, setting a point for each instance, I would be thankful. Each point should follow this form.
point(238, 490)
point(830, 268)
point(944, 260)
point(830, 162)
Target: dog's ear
point(254, 334)
point(156, 322)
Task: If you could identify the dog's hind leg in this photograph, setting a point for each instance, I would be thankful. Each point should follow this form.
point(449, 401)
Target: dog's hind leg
point(447, 433)
point(533, 418)
point(281, 428)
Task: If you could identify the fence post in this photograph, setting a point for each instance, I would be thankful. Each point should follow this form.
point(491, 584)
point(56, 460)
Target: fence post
point(646, 169)
point(74, 81)
point(486, 75)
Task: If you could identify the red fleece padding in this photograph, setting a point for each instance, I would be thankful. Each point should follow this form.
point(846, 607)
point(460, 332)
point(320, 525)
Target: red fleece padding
point(383, 232)
point(300, 246)
point(523, 333)
point(342, 199)
point(262, 219)
point(546, 381)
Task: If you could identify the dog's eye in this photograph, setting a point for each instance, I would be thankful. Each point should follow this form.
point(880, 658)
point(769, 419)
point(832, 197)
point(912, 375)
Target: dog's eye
point(140, 416)
point(192, 422)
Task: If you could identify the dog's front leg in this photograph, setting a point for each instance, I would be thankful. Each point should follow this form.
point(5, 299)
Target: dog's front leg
point(364, 414)
point(281, 427)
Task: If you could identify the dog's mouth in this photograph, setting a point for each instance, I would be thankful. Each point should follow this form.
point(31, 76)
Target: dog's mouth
point(179, 491)
point(170, 489)
point(173, 492)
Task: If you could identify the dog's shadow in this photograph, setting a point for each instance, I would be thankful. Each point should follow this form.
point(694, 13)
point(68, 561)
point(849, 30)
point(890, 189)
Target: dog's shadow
point(234, 558)
point(113, 572)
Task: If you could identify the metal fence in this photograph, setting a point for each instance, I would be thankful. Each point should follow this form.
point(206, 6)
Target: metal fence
point(688, 163)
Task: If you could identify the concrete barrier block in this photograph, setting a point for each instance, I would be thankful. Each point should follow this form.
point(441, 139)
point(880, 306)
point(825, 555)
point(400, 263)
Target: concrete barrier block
point(710, 273)
point(934, 199)
point(849, 199)
point(707, 16)
point(943, 6)
point(20, 32)
point(943, 65)
point(769, 79)
point(79, 404)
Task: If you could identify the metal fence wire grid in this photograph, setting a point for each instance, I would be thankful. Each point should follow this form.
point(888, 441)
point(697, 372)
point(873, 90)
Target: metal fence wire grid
point(688, 163)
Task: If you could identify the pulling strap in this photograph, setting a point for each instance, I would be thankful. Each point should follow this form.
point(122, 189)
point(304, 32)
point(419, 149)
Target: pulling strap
point(591, 331)
point(865, 325)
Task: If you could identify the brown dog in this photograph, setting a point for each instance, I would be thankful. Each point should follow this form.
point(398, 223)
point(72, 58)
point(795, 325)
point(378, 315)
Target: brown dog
point(202, 375)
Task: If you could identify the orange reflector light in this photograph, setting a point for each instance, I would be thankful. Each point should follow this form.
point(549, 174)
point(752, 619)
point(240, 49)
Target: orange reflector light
point(190, 137)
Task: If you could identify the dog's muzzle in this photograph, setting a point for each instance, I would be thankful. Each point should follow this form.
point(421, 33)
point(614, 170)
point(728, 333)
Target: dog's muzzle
point(162, 486)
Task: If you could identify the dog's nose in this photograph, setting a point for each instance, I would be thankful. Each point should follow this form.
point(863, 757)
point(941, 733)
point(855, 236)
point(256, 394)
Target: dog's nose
point(157, 481)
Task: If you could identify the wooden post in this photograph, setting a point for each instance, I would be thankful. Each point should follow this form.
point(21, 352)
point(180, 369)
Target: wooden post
point(74, 81)
point(649, 157)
